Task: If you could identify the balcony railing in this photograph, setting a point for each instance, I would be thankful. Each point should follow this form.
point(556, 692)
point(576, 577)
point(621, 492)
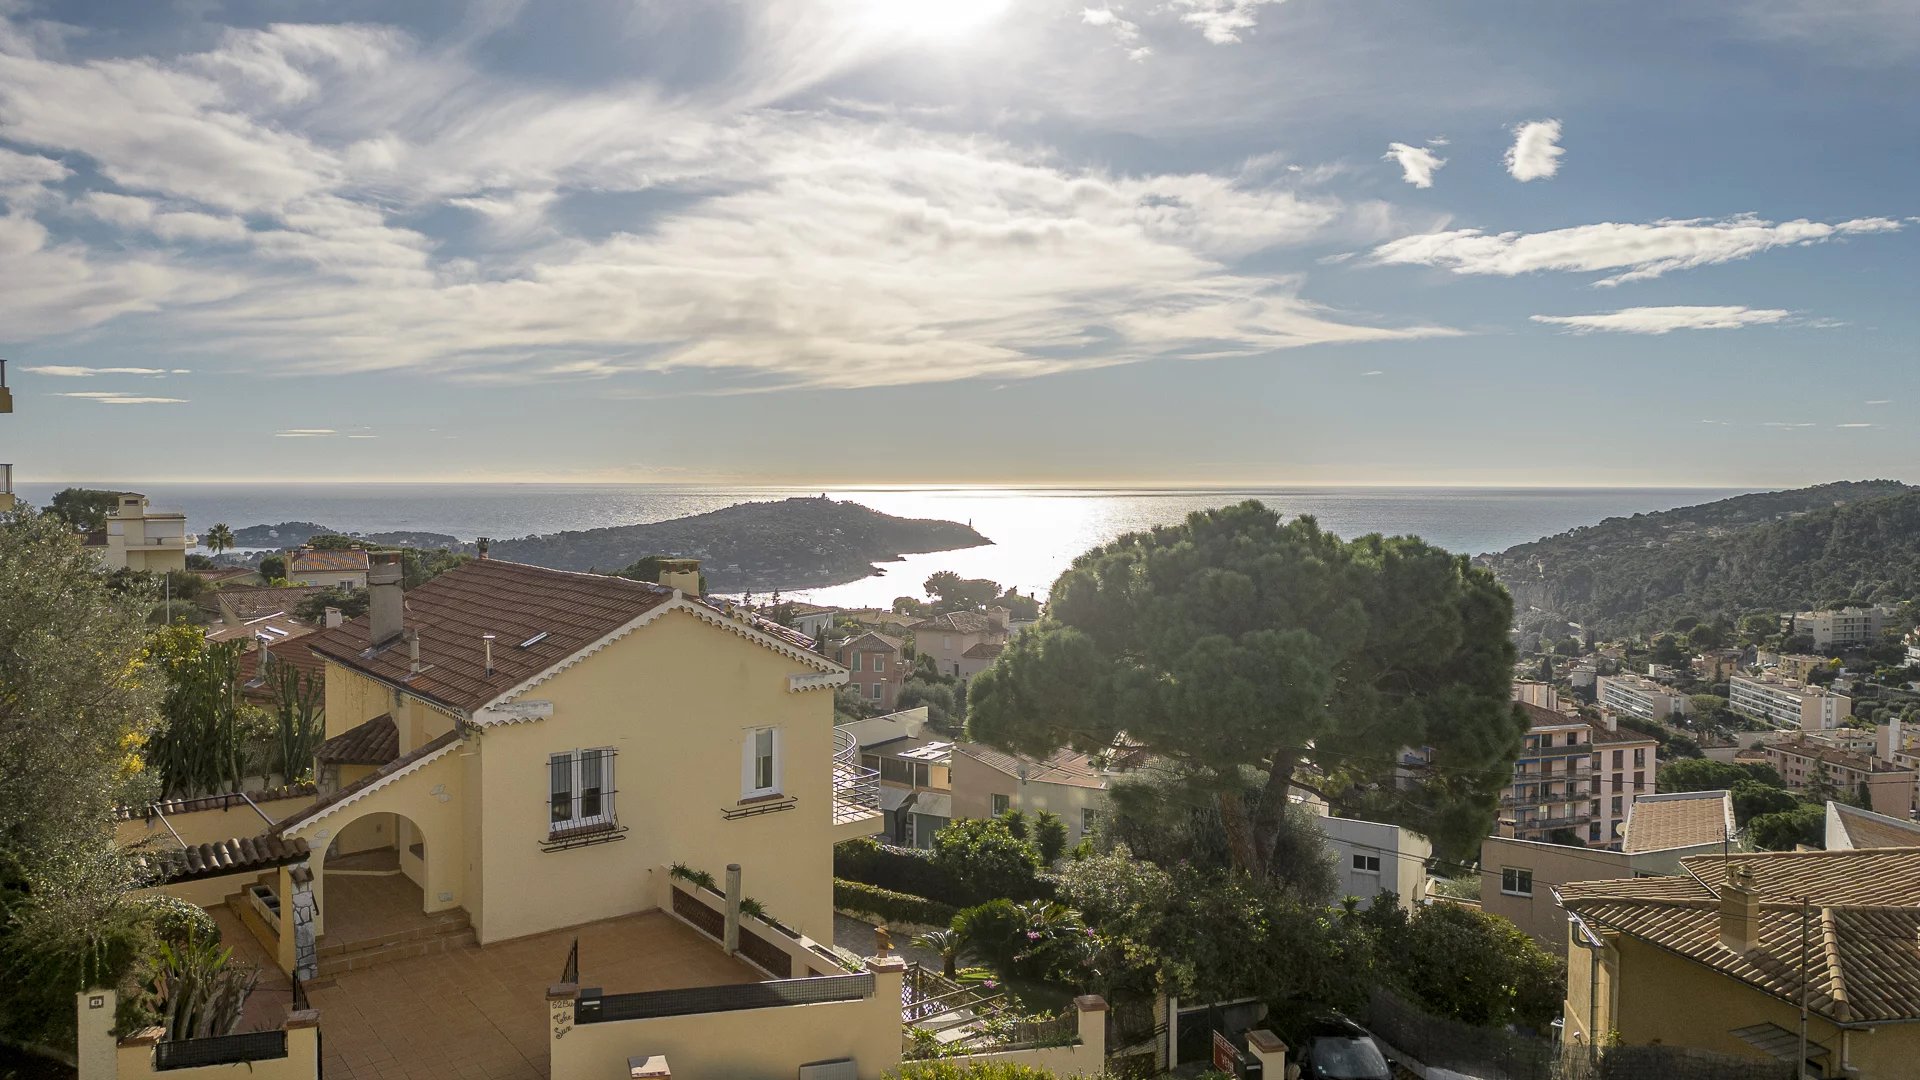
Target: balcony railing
point(1556, 751)
point(854, 785)
point(220, 1050)
point(1541, 798)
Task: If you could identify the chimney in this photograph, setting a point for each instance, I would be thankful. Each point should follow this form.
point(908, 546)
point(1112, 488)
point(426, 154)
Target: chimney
point(480, 546)
point(1739, 912)
point(333, 617)
point(385, 608)
point(486, 642)
point(682, 574)
point(412, 638)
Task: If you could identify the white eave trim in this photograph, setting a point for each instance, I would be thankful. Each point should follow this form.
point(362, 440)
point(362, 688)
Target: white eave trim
point(328, 810)
point(830, 673)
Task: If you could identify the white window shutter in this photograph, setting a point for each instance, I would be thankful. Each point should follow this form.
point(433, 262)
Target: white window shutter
point(779, 762)
point(746, 763)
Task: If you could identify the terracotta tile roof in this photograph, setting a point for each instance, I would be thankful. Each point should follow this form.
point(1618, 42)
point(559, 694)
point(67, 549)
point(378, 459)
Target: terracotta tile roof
point(870, 642)
point(215, 802)
point(1539, 717)
point(425, 749)
point(308, 562)
point(1620, 737)
point(1866, 829)
point(1864, 966)
point(375, 742)
point(956, 622)
point(277, 627)
point(239, 855)
point(1069, 767)
point(249, 854)
point(1679, 819)
point(517, 603)
point(985, 650)
point(251, 602)
point(224, 573)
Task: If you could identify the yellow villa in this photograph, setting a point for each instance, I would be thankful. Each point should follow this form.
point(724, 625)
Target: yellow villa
point(1721, 957)
point(543, 803)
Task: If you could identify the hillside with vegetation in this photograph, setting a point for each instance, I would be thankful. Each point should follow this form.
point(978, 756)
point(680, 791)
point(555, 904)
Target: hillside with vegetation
point(1774, 551)
point(758, 546)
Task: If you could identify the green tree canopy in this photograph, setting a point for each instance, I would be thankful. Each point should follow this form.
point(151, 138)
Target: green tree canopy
point(1705, 774)
point(83, 508)
point(1789, 829)
point(985, 857)
point(955, 593)
point(219, 538)
point(1237, 642)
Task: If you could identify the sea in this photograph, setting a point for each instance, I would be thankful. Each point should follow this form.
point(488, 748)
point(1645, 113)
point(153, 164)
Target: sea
point(1036, 532)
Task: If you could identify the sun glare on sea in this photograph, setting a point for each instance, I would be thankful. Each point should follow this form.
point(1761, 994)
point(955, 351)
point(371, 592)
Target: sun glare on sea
point(930, 19)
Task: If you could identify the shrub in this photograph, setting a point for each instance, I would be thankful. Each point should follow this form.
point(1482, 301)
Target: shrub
point(907, 870)
point(1050, 836)
point(889, 906)
point(987, 859)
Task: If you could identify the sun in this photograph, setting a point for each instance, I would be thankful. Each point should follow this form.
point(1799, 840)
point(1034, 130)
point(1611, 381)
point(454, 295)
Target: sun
point(930, 19)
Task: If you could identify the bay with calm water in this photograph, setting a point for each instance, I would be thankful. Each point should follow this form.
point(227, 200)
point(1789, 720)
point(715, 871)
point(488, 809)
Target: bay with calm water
point(1036, 532)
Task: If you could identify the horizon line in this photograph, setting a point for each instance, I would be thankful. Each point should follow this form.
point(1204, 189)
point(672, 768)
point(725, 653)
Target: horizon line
point(934, 486)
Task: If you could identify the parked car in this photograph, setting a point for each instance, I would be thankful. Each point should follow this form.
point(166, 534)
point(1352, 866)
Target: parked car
point(1339, 1049)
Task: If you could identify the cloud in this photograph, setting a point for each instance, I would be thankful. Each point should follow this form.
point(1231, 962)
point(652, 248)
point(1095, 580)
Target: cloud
point(1370, 374)
point(1125, 32)
point(110, 397)
point(1854, 425)
point(1535, 154)
point(305, 433)
point(72, 371)
point(1661, 320)
point(133, 212)
point(1639, 251)
point(1221, 21)
point(1861, 32)
point(1417, 163)
point(18, 168)
point(1788, 424)
point(1881, 401)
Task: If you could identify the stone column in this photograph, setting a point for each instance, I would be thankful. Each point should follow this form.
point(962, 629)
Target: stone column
point(300, 913)
point(1270, 1052)
point(733, 909)
point(95, 1014)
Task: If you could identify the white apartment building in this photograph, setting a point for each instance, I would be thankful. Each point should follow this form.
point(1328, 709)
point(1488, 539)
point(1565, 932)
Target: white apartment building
point(1787, 703)
point(1842, 628)
point(139, 538)
point(1371, 858)
point(1639, 697)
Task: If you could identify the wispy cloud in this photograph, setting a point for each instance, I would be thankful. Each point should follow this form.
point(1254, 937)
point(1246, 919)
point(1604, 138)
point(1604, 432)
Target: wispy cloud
point(111, 397)
point(1417, 163)
point(1793, 424)
point(72, 371)
point(1535, 153)
point(1854, 425)
point(305, 433)
point(1662, 320)
point(1125, 31)
point(1881, 401)
point(1222, 22)
point(1370, 374)
point(1640, 252)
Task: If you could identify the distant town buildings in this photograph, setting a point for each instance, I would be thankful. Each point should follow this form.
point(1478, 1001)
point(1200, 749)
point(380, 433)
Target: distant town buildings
point(1787, 703)
point(1639, 697)
point(1886, 787)
point(1624, 761)
point(1552, 784)
point(946, 638)
point(140, 538)
point(875, 667)
point(1842, 628)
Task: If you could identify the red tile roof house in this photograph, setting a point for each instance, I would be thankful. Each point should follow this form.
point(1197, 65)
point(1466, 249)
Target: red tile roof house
point(518, 760)
point(334, 569)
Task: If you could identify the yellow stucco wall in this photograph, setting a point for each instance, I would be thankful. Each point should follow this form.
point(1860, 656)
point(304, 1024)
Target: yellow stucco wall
point(1649, 995)
point(352, 699)
point(205, 826)
point(747, 1044)
point(675, 700)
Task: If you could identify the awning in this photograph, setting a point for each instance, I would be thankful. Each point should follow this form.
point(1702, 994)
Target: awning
point(1776, 1041)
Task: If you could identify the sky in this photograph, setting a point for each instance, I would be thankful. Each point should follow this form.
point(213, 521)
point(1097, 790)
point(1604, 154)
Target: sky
point(998, 241)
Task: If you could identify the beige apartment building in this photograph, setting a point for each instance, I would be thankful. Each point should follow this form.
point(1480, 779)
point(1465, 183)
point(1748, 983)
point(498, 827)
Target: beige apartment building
point(1624, 761)
point(988, 782)
point(1552, 785)
point(1787, 703)
point(1638, 696)
point(1887, 786)
point(1842, 628)
point(138, 537)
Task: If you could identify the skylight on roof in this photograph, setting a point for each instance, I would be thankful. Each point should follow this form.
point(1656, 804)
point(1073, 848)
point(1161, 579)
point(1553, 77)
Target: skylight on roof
point(535, 639)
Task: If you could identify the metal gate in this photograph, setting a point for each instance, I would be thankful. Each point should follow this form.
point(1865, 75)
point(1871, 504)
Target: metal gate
point(1194, 1031)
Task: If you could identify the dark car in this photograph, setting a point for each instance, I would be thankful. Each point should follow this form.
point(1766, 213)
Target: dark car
point(1339, 1049)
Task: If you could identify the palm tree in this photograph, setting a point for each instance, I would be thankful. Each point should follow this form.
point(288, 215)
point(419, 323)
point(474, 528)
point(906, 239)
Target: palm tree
point(945, 942)
point(218, 539)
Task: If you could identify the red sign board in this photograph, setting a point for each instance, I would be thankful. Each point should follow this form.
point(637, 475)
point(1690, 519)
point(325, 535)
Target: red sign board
point(1226, 1058)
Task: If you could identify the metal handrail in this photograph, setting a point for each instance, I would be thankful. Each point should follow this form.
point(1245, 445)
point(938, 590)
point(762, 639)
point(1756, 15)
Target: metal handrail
point(853, 782)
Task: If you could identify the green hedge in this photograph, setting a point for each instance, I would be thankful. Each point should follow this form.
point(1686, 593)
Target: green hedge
point(888, 905)
point(913, 871)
